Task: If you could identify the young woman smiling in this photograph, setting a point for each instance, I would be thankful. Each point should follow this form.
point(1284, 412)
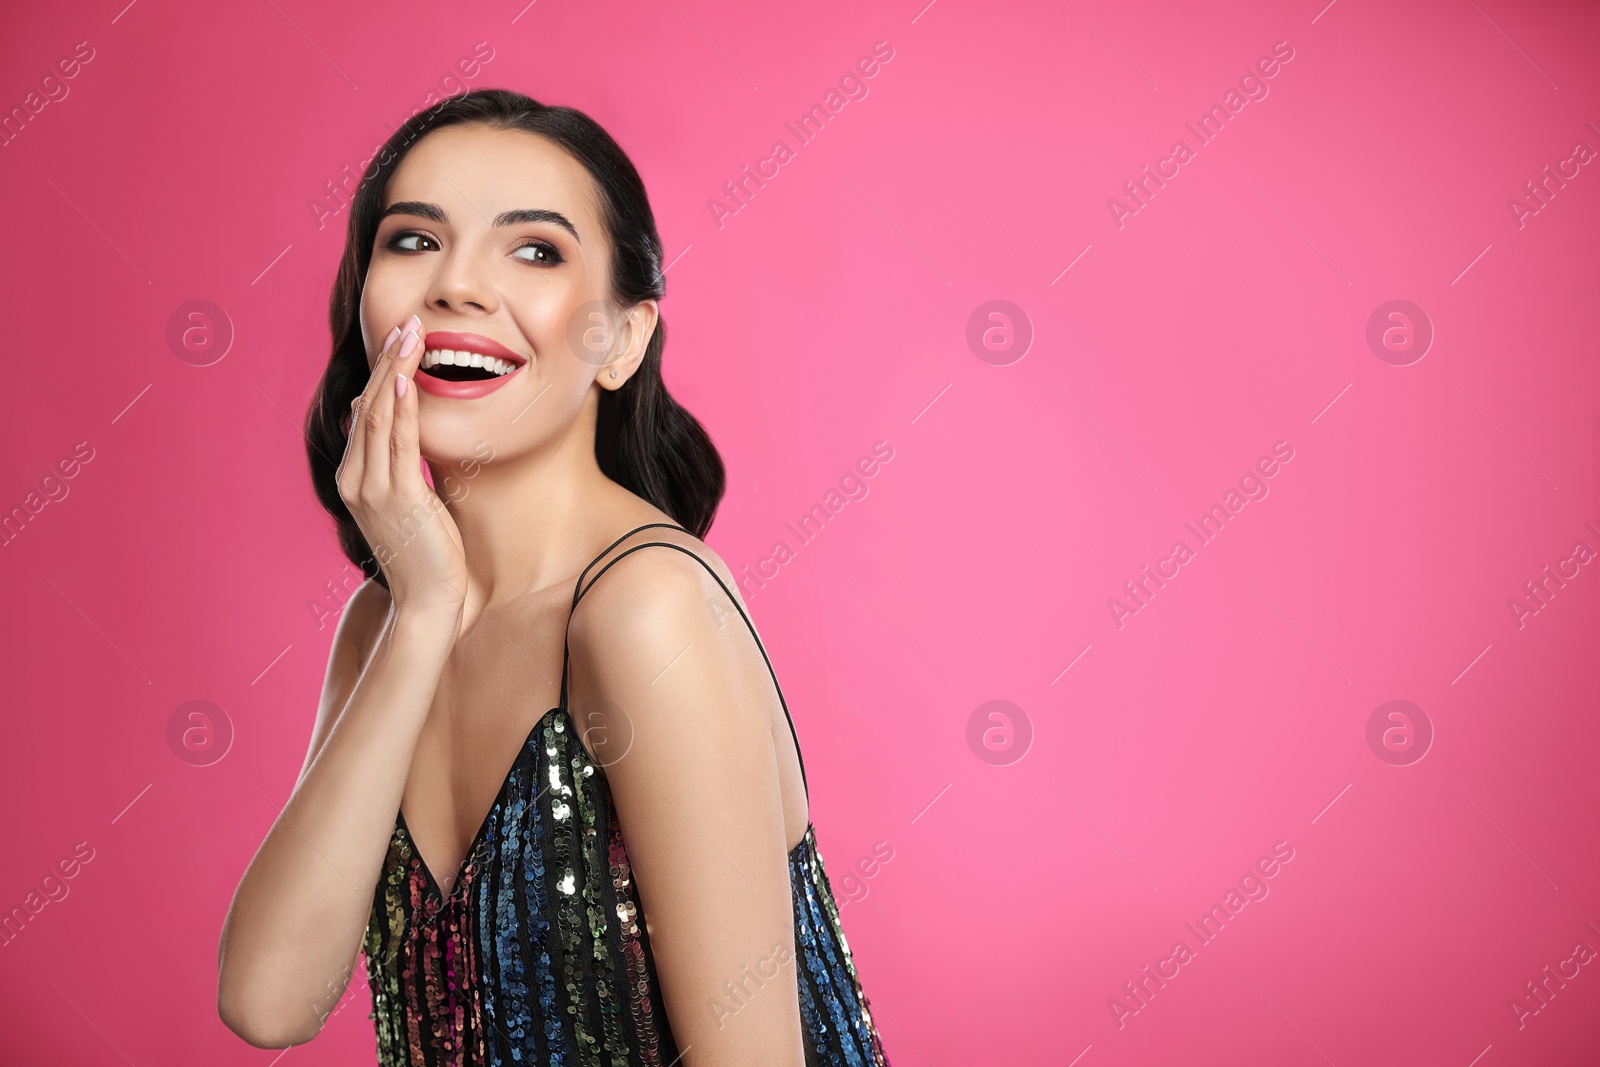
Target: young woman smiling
point(560, 807)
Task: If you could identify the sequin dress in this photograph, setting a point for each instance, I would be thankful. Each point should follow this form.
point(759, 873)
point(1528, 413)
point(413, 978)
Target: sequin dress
point(539, 954)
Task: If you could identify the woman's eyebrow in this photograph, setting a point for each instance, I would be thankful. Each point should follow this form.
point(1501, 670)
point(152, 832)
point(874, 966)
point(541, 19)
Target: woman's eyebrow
point(518, 217)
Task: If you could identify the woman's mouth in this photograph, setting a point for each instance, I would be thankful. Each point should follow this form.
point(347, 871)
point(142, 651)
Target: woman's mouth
point(462, 374)
point(458, 366)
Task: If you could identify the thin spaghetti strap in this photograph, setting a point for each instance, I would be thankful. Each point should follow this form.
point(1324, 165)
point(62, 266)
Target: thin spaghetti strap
point(577, 589)
point(711, 571)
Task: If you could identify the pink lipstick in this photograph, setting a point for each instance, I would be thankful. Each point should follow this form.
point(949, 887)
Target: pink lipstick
point(433, 380)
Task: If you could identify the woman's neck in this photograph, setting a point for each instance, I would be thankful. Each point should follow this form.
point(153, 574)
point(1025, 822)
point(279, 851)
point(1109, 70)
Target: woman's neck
point(529, 524)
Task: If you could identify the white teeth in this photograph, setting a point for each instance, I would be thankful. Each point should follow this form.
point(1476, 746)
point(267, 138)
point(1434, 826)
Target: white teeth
point(434, 357)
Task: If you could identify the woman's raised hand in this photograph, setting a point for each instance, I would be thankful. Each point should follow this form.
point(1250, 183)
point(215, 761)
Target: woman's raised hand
point(406, 523)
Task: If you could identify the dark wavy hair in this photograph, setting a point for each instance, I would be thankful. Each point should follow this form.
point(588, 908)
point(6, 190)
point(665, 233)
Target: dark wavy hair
point(644, 440)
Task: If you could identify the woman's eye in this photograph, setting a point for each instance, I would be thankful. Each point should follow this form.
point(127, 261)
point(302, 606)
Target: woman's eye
point(544, 253)
point(399, 241)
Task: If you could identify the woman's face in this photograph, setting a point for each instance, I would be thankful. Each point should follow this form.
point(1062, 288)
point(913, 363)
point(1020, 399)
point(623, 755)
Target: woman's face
point(493, 239)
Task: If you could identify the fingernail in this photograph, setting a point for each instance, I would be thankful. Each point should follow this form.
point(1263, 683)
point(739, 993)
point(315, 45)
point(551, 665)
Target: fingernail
point(414, 323)
point(387, 341)
point(400, 384)
point(409, 345)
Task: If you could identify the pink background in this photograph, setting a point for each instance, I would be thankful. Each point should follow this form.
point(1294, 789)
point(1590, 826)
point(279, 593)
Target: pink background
point(829, 313)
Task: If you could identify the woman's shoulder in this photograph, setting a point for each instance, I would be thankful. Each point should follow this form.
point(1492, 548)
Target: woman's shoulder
point(656, 577)
point(652, 636)
point(359, 628)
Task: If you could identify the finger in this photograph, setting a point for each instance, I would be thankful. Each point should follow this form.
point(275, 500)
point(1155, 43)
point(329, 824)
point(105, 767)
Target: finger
point(405, 457)
point(383, 389)
point(370, 391)
point(377, 382)
point(404, 447)
point(355, 445)
point(378, 421)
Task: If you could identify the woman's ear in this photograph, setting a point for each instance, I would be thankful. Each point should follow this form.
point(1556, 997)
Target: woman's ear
point(634, 331)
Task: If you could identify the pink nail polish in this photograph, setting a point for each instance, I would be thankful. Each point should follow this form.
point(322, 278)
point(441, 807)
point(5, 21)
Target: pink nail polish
point(389, 340)
point(409, 345)
point(399, 385)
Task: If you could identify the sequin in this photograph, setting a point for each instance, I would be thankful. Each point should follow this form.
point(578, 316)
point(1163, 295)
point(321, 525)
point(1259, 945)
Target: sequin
point(539, 953)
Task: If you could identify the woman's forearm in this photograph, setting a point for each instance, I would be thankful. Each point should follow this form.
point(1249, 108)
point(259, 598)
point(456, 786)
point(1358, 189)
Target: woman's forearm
point(297, 921)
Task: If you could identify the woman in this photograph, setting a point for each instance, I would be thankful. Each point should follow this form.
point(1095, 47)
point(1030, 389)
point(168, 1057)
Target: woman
point(457, 818)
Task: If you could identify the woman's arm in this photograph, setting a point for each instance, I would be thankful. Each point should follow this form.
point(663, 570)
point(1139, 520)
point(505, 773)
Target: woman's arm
point(294, 931)
point(298, 917)
point(697, 794)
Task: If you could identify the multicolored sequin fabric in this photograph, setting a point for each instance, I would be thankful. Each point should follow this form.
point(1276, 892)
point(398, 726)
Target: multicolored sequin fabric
point(539, 953)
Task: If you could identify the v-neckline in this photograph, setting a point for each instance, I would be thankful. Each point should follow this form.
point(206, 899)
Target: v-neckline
point(483, 826)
